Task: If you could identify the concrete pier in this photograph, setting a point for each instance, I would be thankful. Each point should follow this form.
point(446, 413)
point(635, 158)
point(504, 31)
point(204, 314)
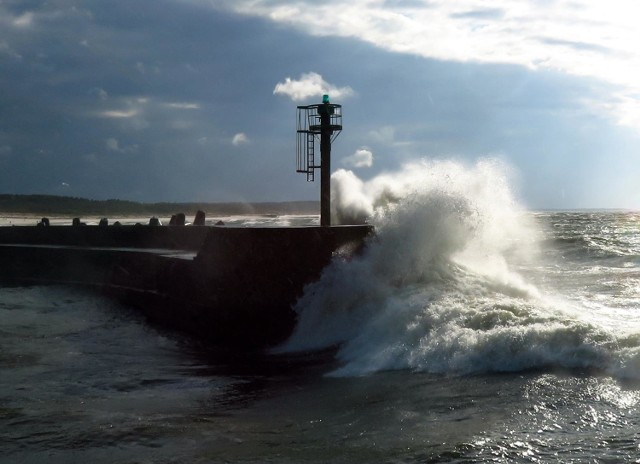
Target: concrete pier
point(226, 286)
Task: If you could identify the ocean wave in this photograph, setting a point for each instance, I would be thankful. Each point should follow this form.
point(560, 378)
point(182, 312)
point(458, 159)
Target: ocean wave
point(435, 290)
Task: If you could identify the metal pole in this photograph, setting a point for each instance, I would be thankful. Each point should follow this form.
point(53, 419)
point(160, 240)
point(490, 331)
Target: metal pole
point(325, 164)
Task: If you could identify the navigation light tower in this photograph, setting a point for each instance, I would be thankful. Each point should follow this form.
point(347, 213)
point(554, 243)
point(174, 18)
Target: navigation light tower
point(321, 122)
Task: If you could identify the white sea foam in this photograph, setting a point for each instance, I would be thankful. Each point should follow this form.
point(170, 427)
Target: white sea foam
point(435, 290)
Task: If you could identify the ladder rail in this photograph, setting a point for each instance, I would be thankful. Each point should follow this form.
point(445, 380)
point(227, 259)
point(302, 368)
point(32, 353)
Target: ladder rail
point(310, 157)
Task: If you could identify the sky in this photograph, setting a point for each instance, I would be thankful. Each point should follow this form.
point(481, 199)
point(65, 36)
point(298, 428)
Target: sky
point(195, 100)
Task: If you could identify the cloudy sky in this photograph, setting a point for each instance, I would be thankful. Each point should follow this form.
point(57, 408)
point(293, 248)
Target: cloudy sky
point(195, 100)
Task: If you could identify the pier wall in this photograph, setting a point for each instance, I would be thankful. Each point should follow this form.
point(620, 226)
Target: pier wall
point(169, 237)
point(237, 286)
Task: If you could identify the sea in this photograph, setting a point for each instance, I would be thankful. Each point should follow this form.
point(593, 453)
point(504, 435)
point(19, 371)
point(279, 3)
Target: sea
point(467, 331)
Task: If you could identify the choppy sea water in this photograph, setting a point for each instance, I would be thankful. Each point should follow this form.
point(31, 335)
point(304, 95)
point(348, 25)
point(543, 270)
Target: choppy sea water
point(461, 337)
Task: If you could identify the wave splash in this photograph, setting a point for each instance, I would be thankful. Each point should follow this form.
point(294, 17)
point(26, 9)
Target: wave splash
point(435, 290)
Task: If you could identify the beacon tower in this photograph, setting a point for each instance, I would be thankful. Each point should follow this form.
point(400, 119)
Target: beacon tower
point(318, 123)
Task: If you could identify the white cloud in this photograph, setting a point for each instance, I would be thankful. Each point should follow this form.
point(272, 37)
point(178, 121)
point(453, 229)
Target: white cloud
point(90, 157)
point(112, 144)
point(384, 134)
point(5, 49)
point(362, 158)
point(181, 124)
point(240, 139)
point(24, 20)
point(590, 38)
point(184, 105)
point(131, 111)
point(99, 93)
point(119, 114)
point(311, 85)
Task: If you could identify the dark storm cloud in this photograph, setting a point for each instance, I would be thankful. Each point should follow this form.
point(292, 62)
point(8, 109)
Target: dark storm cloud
point(172, 101)
point(174, 82)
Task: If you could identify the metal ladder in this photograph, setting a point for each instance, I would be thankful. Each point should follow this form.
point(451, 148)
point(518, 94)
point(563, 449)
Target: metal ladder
point(310, 156)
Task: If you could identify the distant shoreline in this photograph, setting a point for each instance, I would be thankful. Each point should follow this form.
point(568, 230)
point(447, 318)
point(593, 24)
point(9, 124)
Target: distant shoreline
point(232, 220)
point(43, 205)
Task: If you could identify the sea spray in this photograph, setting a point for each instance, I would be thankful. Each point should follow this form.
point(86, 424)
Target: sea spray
point(435, 290)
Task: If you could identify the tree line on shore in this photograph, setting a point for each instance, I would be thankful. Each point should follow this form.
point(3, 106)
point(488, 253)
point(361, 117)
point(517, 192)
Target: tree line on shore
point(61, 205)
